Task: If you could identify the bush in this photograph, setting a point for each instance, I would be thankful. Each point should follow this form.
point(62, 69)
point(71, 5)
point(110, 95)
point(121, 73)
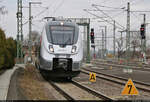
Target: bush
point(7, 51)
point(2, 58)
point(2, 48)
point(11, 48)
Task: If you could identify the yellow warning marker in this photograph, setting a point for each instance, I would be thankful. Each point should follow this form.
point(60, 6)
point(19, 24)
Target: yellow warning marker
point(92, 77)
point(110, 67)
point(140, 64)
point(130, 89)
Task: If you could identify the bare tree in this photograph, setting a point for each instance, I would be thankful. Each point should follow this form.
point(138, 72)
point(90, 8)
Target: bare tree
point(35, 38)
point(120, 46)
point(135, 44)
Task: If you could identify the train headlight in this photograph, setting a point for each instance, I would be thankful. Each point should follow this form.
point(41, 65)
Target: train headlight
point(51, 48)
point(61, 23)
point(73, 49)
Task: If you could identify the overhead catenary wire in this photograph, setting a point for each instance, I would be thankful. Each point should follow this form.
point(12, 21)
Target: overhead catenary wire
point(110, 7)
point(46, 8)
point(135, 16)
point(137, 2)
point(43, 11)
point(138, 19)
point(105, 1)
point(125, 3)
point(36, 26)
point(103, 19)
point(61, 3)
point(107, 15)
point(117, 15)
point(106, 10)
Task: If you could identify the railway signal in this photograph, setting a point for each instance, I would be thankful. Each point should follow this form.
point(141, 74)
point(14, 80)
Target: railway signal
point(142, 31)
point(92, 35)
point(92, 41)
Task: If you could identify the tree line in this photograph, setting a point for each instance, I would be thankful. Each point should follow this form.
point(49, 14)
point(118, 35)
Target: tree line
point(7, 51)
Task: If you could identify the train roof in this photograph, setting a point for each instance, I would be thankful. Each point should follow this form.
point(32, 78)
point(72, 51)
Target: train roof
point(59, 22)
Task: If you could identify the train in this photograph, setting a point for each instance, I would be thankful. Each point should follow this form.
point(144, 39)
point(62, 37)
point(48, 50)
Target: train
point(61, 49)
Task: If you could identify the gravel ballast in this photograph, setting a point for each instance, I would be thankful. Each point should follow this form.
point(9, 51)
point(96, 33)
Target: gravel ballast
point(110, 89)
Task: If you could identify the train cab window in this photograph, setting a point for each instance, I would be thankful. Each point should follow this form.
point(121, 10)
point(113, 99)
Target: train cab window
point(62, 35)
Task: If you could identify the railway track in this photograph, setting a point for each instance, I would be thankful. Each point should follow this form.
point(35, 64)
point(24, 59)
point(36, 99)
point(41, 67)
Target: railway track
point(74, 90)
point(121, 66)
point(119, 80)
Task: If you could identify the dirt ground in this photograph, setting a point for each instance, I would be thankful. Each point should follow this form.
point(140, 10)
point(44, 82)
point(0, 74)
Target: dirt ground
point(27, 84)
point(14, 92)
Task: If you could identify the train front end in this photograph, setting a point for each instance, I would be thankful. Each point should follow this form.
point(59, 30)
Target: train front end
point(61, 50)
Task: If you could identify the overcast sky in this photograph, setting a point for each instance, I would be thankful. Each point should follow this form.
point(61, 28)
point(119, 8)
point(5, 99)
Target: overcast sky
point(74, 8)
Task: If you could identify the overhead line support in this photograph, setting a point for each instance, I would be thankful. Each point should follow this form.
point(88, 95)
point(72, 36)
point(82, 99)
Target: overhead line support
point(19, 32)
point(128, 33)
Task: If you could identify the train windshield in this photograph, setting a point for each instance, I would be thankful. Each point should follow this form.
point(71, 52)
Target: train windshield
point(62, 35)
